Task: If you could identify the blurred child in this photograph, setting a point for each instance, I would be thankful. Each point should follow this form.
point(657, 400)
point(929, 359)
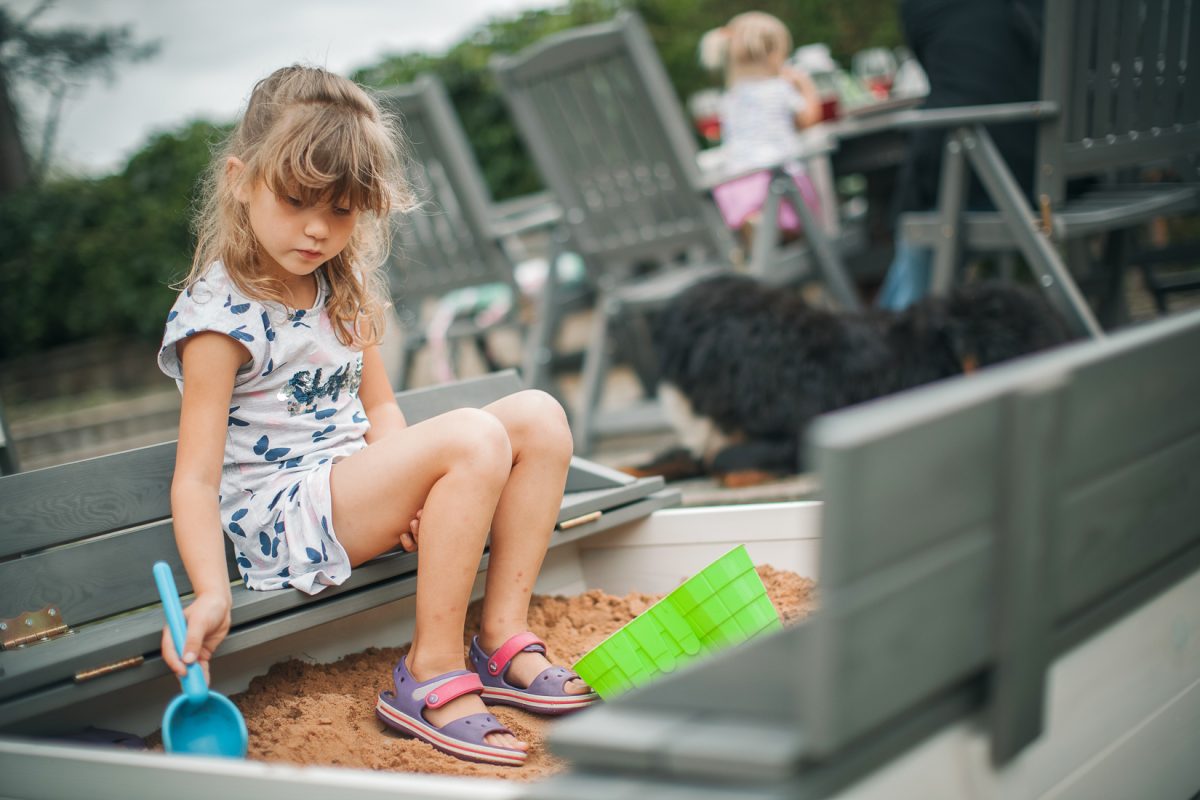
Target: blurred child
point(765, 102)
point(290, 439)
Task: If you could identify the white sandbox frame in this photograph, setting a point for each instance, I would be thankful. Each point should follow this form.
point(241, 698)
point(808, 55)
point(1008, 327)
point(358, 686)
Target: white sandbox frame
point(1122, 708)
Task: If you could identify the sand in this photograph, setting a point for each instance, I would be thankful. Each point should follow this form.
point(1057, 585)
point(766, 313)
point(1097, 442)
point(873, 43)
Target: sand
point(323, 714)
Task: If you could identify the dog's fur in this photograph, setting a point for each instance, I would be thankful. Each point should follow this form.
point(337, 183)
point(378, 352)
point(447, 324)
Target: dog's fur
point(746, 367)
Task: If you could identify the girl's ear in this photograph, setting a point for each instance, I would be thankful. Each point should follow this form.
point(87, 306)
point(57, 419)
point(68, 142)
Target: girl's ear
point(235, 171)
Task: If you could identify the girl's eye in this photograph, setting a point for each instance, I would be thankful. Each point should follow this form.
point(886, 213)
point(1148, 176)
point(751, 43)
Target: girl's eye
point(294, 202)
point(341, 212)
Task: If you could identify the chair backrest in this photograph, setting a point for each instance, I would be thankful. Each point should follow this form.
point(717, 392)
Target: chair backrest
point(602, 122)
point(447, 243)
point(1126, 76)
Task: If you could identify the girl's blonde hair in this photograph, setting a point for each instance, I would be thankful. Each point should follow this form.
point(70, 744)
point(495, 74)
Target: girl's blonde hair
point(318, 137)
point(746, 44)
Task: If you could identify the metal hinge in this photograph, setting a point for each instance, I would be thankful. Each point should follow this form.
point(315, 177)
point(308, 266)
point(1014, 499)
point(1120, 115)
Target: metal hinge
point(32, 627)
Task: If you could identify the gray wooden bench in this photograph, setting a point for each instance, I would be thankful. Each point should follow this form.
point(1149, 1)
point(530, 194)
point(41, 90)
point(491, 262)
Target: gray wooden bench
point(77, 542)
point(972, 533)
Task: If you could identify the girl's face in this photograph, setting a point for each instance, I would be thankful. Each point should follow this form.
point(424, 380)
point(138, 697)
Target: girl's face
point(295, 239)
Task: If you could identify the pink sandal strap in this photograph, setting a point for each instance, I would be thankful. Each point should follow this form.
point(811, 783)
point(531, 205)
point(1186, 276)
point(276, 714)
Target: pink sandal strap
point(522, 641)
point(452, 689)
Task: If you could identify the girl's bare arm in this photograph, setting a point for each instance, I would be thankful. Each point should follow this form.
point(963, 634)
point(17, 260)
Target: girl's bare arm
point(379, 402)
point(811, 113)
point(210, 363)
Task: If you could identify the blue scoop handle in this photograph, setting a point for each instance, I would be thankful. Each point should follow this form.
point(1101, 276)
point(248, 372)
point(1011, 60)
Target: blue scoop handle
point(194, 685)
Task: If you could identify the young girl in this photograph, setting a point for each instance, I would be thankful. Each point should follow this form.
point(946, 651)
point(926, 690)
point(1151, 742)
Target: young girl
point(764, 103)
point(291, 441)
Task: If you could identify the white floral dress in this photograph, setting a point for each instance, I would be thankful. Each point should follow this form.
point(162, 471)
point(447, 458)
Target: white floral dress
point(295, 411)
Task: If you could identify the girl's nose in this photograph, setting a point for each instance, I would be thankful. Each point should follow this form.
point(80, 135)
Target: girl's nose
point(316, 227)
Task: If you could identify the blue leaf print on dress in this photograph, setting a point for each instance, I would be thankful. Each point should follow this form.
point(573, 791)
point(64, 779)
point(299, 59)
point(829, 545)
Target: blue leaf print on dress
point(274, 500)
point(233, 526)
point(291, 463)
point(241, 335)
point(325, 527)
point(279, 526)
point(358, 417)
point(267, 329)
point(264, 543)
point(172, 315)
point(313, 555)
point(276, 453)
point(285, 573)
point(292, 492)
point(320, 436)
point(241, 423)
point(298, 320)
point(326, 414)
point(244, 562)
point(261, 445)
point(270, 362)
point(239, 308)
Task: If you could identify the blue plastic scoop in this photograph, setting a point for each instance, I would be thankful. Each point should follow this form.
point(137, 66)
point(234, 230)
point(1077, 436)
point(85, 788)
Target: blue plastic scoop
point(199, 721)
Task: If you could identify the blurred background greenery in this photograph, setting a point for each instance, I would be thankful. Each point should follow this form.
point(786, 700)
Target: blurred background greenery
point(88, 257)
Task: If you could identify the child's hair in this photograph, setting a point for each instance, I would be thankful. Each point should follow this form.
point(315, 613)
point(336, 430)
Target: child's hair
point(747, 41)
point(316, 136)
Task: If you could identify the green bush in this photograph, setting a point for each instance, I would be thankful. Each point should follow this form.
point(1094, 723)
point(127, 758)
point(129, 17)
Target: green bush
point(81, 258)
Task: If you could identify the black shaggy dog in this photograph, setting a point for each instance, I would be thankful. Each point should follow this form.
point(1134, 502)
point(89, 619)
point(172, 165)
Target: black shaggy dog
point(745, 367)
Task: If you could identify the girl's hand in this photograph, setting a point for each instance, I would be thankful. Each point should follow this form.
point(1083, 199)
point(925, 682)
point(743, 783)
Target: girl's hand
point(208, 619)
point(409, 539)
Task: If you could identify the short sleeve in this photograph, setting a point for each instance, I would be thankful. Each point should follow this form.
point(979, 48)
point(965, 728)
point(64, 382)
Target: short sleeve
point(213, 304)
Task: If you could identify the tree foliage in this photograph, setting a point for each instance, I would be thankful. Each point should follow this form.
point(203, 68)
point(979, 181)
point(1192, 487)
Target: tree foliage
point(53, 60)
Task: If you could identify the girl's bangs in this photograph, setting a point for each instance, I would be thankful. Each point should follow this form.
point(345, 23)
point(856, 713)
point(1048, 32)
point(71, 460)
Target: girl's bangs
point(323, 155)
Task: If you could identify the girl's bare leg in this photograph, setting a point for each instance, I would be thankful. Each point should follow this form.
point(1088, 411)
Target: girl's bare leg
point(453, 468)
point(524, 521)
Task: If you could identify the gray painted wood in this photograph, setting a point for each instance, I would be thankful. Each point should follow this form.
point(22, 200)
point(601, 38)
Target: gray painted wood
point(1023, 618)
point(101, 583)
point(925, 615)
point(52, 506)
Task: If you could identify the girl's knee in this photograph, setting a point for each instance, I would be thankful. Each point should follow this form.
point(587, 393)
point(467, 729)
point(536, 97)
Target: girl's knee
point(478, 440)
point(541, 422)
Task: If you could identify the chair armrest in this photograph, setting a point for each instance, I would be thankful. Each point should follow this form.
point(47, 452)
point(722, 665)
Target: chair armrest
point(944, 118)
point(525, 213)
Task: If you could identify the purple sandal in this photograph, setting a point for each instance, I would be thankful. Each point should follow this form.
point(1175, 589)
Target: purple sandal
point(463, 738)
point(546, 694)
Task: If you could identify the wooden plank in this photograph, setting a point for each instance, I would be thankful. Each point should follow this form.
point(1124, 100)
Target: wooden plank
point(1104, 90)
point(1152, 48)
point(1080, 106)
point(1128, 73)
point(1023, 619)
point(1125, 523)
point(897, 638)
point(1131, 404)
point(875, 489)
point(1167, 102)
point(1190, 111)
point(51, 506)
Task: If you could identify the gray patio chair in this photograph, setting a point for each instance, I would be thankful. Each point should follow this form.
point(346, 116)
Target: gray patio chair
point(457, 238)
point(1119, 93)
point(606, 130)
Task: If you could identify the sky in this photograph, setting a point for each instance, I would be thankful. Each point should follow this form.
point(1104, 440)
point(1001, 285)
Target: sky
point(212, 51)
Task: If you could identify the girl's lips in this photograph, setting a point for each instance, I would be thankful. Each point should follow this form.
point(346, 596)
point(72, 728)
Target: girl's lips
point(310, 254)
